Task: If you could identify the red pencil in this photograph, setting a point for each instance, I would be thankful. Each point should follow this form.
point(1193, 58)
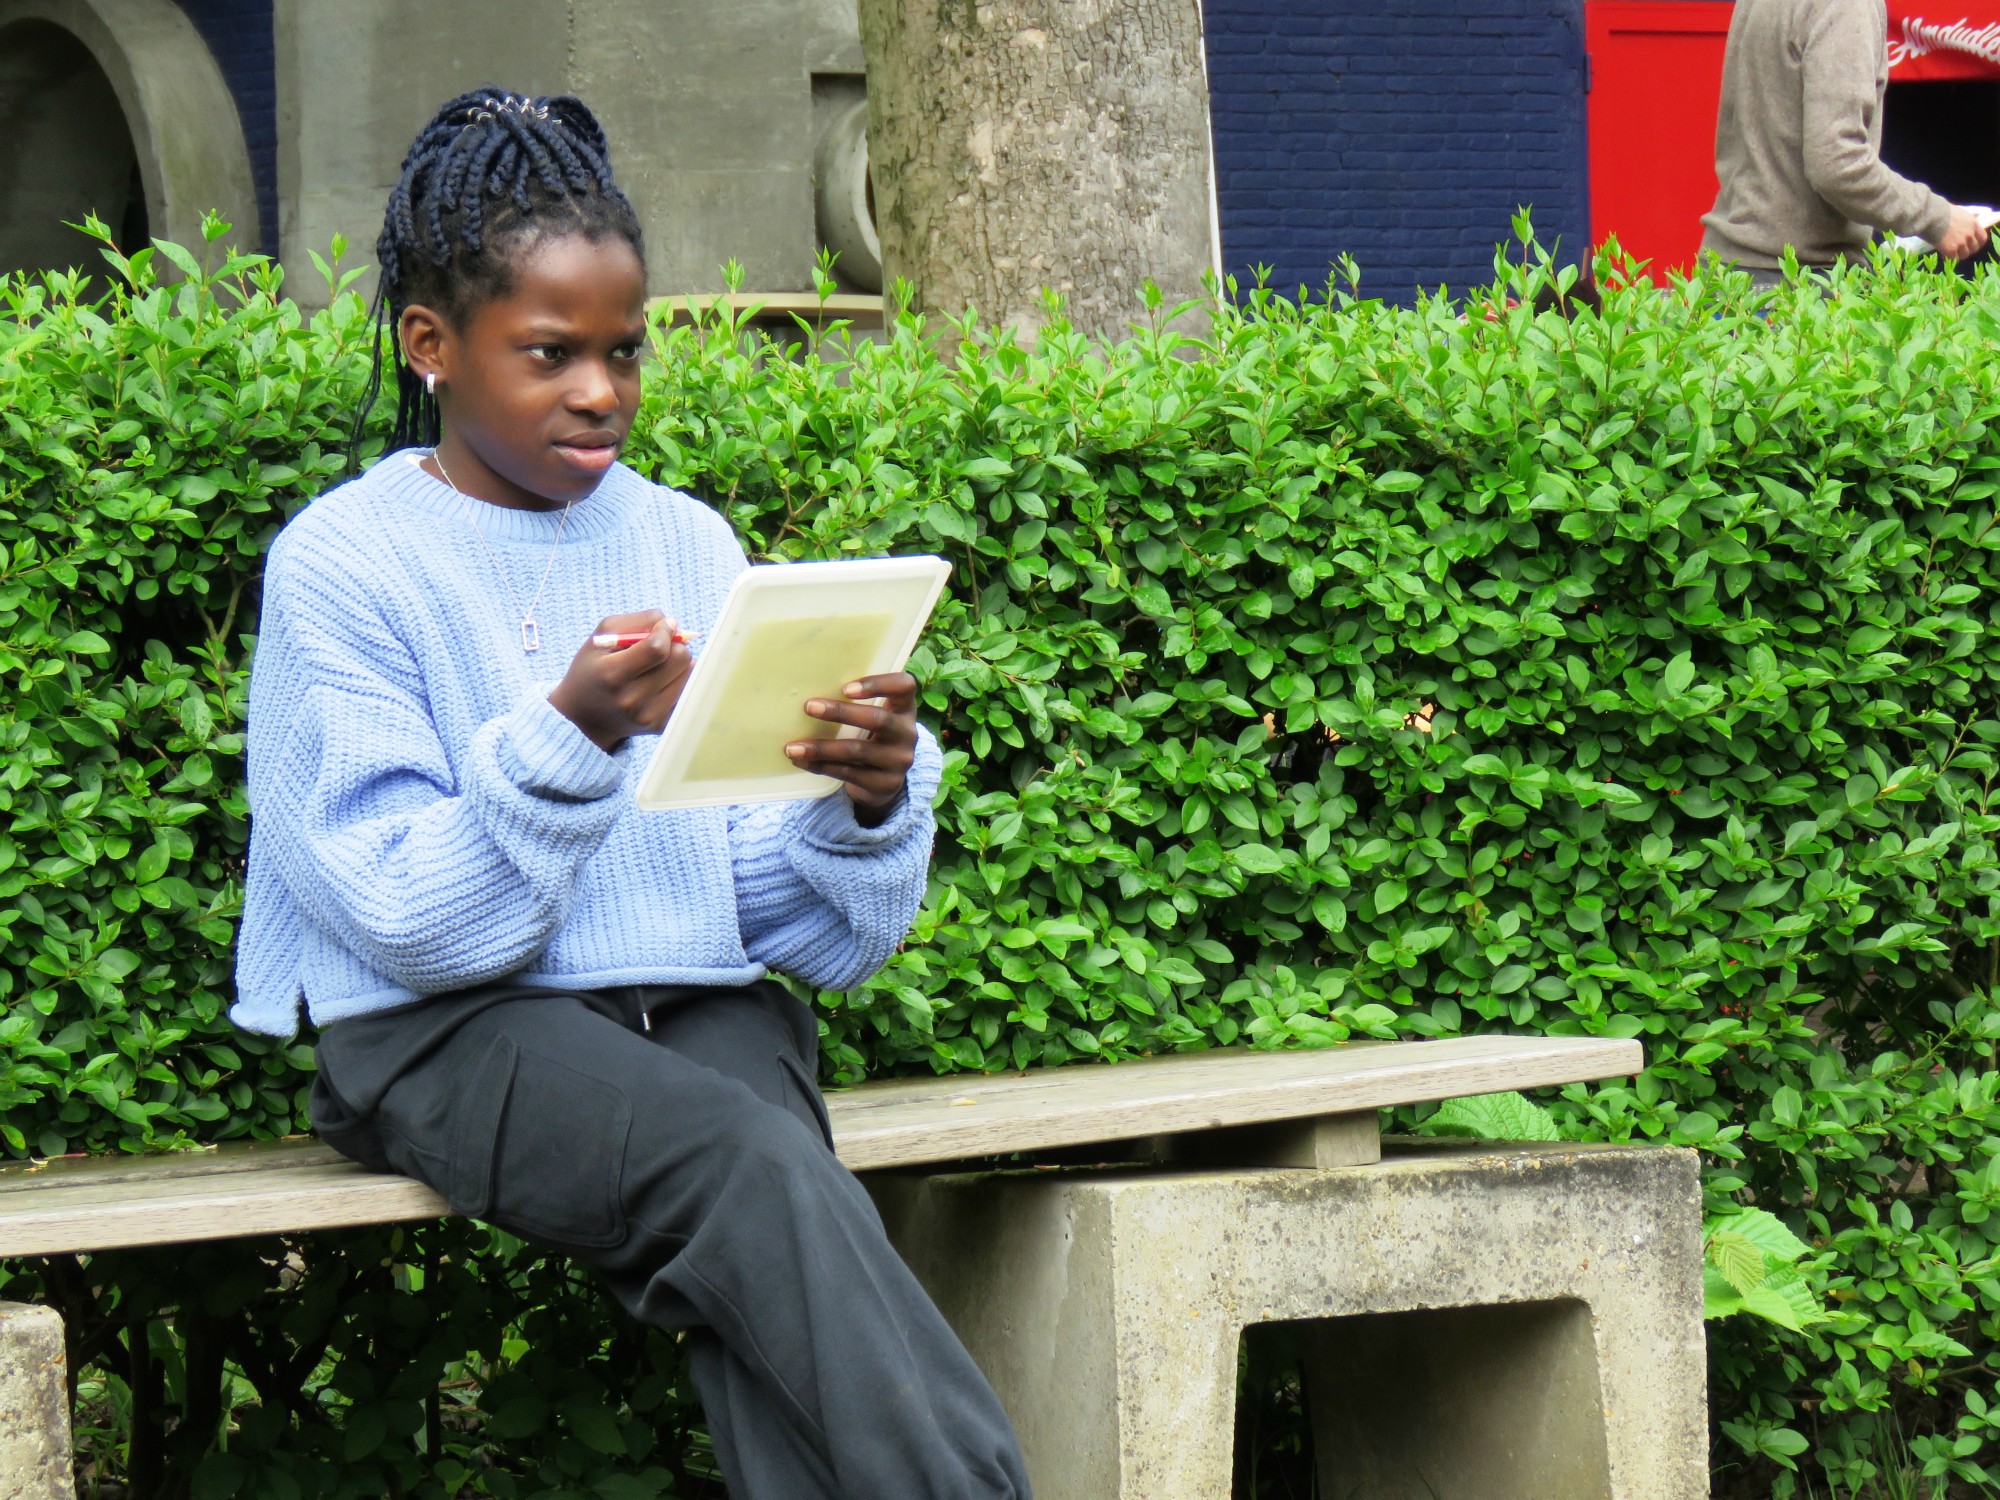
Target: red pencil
point(618, 640)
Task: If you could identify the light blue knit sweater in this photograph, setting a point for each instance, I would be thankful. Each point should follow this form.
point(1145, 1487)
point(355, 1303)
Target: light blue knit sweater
point(423, 820)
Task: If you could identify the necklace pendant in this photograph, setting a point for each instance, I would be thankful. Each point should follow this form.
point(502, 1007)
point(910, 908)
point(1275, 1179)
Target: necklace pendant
point(531, 636)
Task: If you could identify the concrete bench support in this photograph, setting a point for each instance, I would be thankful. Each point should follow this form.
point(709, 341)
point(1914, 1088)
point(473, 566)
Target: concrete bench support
point(1505, 1322)
point(34, 1405)
point(1320, 1141)
point(1474, 1401)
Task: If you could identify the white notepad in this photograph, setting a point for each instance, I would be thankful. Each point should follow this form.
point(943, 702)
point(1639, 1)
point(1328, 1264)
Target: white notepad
point(786, 633)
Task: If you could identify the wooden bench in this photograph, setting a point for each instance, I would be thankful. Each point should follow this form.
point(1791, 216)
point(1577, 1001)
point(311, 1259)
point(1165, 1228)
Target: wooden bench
point(1209, 1123)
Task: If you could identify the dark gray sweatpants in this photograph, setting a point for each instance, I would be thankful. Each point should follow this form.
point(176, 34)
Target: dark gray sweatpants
point(692, 1165)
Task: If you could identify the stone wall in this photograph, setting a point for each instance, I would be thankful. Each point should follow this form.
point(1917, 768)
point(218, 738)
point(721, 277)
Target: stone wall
point(709, 108)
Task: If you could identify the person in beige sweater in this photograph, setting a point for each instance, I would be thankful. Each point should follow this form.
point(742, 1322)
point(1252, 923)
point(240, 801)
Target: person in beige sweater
point(1798, 142)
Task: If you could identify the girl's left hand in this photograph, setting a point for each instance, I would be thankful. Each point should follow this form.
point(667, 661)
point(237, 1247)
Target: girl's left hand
point(875, 766)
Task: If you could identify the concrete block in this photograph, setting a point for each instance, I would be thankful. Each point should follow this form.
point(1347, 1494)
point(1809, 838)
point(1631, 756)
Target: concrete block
point(1492, 1322)
point(831, 32)
point(356, 80)
point(769, 231)
point(708, 109)
point(34, 1406)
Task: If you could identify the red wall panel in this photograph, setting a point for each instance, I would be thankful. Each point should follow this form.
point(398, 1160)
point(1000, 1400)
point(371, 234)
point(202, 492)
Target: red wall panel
point(1656, 75)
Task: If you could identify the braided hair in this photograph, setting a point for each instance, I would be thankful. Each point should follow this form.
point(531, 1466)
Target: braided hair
point(490, 174)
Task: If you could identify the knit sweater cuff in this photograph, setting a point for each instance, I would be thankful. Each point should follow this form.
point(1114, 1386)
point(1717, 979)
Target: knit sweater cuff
point(545, 755)
point(829, 823)
point(1936, 221)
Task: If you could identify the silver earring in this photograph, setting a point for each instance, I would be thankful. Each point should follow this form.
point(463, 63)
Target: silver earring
point(430, 382)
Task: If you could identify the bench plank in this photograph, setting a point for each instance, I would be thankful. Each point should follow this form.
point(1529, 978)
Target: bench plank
point(235, 1156)
point(82, 1215)
point(918, 1121)
point(281, 1186)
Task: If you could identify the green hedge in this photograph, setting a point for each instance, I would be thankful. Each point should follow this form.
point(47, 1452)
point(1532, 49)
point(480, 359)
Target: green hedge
point(1699, 598)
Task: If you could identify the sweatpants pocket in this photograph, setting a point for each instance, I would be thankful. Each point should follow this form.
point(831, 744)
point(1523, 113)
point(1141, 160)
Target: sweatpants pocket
point(539, 1147)
point(806, 1093)
point(475, 1128)
point(344, 1128)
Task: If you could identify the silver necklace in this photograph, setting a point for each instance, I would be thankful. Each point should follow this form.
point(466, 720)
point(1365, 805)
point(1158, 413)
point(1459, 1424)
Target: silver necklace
point(531, 633)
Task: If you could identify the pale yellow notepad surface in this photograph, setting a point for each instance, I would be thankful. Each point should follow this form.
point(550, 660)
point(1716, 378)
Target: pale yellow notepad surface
point(786, 633)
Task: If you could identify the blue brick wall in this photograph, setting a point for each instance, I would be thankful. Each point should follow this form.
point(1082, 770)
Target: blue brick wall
point(238, 33)
point(1404, 133)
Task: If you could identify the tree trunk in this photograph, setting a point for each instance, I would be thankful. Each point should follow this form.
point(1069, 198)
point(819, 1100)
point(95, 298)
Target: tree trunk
point(1017, 145)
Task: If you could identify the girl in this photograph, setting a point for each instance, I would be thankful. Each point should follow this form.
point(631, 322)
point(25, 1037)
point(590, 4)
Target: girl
point(544, 1003)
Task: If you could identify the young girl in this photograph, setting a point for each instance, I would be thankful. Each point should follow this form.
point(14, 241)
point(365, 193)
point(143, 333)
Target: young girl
point(542, 1002)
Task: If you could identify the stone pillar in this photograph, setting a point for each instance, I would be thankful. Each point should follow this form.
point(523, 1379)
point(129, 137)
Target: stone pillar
point(35, 1462)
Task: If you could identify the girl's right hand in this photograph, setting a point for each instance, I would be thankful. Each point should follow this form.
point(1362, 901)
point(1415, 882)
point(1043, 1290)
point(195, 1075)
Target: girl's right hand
point(613, 694)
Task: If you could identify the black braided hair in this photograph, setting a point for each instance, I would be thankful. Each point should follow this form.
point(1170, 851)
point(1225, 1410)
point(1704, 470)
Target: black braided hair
point(492, 173)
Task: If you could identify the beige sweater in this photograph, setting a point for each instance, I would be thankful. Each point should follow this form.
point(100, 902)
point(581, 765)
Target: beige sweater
point(1798, 137)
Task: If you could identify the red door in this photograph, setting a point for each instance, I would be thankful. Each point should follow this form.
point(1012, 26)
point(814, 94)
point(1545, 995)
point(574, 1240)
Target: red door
point(1655, 79)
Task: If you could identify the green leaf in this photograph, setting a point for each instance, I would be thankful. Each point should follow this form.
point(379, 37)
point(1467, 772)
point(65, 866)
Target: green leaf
point(518, 1418)
point(151, 864)
point(1785, 1300)
point(1784, 1441)
point(117, 963)
point(188, 265)
point(647, 1486)
point(366, 1430)
point(1767, 1232)
point(1060, 929)
point(590, 1423)
point(1241, 811)
point(1780, 1444)
point(1720, 1299)
point(1493, 1117)
point(1260, 859)
point(1743, 1264)
point(218, 1476)
point(1679, 675)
